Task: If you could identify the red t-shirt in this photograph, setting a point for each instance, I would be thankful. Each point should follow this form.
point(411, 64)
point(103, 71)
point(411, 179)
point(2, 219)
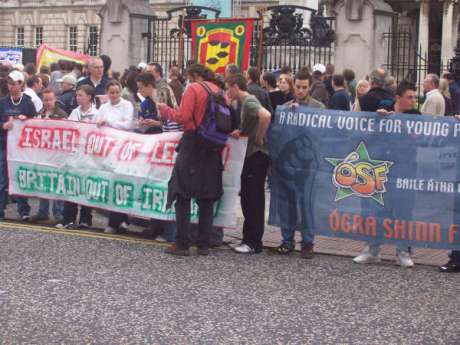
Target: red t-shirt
point(194, 102)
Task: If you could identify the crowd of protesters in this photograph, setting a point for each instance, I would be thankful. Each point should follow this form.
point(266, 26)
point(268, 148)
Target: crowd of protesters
point(143, 100)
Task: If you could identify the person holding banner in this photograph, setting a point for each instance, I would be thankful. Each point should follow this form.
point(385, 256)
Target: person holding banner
point(15, 105)
point(255, 120)
point(197, 172)
point(292, 183)
point(49, 111)
point(117, 113)
point(405, 103)
point(150, 123)
point(85, 112)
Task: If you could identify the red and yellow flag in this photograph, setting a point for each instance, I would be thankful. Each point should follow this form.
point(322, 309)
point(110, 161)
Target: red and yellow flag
point(46, 55)
point(219, 42)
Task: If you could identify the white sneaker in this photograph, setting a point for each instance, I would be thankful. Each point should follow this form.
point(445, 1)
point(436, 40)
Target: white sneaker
point(65, 226)
point(110, 230)
point(404, 259)
point(244, 249)
point(123, 227)
point(366, 257)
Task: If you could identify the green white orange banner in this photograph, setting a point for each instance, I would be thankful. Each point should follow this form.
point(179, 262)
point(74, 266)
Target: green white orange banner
point(47, 55)
point(217, 43)
point(108, 168)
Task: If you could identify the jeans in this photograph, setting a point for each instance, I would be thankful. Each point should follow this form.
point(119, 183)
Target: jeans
point(289, 236)
point(253, 199)
point(21, 202)
point(183, 238)
point(44, 206)
point(3, 183)
point(169, 231)
point(374, 249)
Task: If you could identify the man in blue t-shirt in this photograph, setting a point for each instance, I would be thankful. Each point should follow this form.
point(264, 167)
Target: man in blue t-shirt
point(14, 105)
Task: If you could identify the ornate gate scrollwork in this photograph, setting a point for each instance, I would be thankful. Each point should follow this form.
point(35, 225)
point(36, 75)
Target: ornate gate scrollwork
point(287, 27)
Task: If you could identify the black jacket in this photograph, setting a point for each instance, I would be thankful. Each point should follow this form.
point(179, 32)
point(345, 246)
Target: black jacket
point(67, 101)
point(377, 98)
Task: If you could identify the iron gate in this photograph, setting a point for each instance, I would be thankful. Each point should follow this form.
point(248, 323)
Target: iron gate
point(406, 61)
point(286, 40)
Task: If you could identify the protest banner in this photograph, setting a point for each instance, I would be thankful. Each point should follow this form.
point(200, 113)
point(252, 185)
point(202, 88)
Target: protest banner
point(108, 168)
point(384, 179)
point(219, 42)
point(47, 55)
point(10, 56)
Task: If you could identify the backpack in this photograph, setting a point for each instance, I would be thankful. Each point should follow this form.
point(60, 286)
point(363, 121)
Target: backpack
point(217, 124)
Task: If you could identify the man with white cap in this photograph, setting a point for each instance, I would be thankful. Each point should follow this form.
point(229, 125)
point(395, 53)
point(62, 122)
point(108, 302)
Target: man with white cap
point(318, 89)
point(14, 105)
point(68, 99)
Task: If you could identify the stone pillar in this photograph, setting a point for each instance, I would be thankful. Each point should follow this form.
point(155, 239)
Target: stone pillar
point(122, 25)
point(424, 27)
point(447, 50)
point(360, 43)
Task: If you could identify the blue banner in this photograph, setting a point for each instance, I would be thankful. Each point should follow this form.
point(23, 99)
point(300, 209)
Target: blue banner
point(10, 56)
point(381, 179)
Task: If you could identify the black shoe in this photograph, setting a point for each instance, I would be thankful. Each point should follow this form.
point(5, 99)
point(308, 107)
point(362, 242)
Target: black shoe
point(173, 250)
point(284, 249)
point(450, 267)
point(25, 218)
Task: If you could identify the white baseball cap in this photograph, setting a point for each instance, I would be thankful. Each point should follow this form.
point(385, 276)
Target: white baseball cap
point(69, 79)
point(319, 68)
point(16, 76)
point(141, 65)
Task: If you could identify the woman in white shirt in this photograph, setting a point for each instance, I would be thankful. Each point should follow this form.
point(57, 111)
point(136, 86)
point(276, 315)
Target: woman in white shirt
point(85, 112)
point(117, 113)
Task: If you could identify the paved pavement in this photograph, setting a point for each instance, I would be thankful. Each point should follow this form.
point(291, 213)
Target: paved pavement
point(272, 238)
point(61, 287)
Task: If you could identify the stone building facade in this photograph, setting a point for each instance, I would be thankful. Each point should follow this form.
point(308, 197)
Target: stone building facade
point(75, 24)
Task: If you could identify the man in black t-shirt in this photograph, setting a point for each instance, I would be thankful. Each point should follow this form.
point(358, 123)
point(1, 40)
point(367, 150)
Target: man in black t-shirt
point(14, 105)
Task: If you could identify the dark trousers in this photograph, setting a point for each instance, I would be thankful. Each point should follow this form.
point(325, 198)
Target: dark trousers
point(115, 219)
point(455, 256)
point(71, 211)
point(253, 199)
point(205, 214)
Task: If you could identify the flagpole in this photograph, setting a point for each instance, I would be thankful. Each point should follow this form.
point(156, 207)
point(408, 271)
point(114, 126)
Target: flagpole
point(181, 42)
point(261, 40)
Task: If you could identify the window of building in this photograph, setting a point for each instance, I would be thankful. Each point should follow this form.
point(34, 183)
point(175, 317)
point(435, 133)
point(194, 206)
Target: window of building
point(38, 36)
point(73, 38)
point(93, 40)
point(20, 36)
